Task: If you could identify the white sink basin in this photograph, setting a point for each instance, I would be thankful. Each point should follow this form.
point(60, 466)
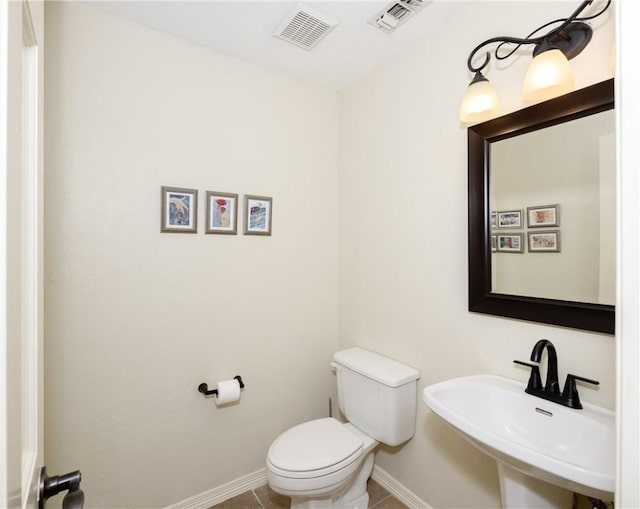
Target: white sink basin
point(572, 449)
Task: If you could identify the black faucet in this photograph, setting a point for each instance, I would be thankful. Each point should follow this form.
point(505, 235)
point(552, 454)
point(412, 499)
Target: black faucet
point(551, 390)
point(551, 385)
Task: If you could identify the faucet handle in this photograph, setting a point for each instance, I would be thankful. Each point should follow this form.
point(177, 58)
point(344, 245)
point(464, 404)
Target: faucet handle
point(570, 391)
point(535, 381)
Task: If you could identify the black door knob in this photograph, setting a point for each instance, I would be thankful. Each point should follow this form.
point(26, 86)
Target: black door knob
point(51, 486)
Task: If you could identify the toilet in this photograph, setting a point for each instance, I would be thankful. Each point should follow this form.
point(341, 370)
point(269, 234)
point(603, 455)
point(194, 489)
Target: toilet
point(325, 463)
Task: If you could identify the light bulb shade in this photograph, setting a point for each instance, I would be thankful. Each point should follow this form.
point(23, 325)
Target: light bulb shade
point(549, 75)
point(480, 103)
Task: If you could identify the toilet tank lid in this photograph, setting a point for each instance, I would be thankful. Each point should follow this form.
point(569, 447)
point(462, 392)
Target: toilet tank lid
point(377, 367)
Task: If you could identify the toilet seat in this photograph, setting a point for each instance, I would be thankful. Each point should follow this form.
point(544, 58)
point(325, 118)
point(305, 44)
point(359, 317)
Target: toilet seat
point(314, 449)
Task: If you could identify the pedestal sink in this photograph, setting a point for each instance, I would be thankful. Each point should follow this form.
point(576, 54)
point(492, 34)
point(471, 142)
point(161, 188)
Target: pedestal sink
point(532, 439)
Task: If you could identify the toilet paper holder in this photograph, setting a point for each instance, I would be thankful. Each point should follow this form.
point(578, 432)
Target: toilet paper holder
point(204, 388)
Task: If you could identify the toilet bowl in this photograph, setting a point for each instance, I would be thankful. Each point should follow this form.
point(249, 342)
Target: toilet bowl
point(325, 464)
point(318, 464)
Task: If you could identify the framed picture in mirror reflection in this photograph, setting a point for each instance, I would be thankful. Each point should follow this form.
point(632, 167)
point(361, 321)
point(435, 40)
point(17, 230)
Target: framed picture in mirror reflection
point(509, 219)
point(544, 242)
point(543, 216)
point(510, 242)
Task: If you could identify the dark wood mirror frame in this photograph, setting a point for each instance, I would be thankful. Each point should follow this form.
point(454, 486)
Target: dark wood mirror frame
point(578, 315)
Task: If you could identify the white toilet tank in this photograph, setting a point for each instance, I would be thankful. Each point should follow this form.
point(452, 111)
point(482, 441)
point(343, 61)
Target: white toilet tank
point(377, 394)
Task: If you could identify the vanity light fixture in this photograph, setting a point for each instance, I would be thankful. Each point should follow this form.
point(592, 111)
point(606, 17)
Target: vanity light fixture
point(549, 73)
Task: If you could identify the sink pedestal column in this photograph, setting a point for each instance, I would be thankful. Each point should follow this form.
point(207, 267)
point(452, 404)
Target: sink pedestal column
point(518, 490)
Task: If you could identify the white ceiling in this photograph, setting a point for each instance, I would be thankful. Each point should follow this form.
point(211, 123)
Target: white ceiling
point(244, 29)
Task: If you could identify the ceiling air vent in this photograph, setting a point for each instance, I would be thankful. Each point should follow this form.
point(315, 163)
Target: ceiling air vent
point(304, 27)
point(396, 13)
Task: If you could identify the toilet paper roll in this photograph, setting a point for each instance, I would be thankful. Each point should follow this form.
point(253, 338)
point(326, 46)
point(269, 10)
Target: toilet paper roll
point(228, 392)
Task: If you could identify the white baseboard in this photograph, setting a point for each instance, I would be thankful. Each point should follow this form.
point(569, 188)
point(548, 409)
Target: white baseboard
point(401, 492)
point(259, 478)
point(224, 492)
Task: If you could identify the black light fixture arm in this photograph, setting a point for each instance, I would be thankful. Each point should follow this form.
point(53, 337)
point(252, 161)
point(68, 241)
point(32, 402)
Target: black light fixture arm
point(558, 32)
point(502, 40)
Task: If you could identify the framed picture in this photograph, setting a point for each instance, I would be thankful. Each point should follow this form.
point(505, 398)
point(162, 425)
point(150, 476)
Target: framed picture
point(544, 242)
point(509, 219)
point(257, 215)
point(179, 210)
point(222, 213)
point(543, 216)
point(494, 243)
point(494, 220)
point(510, 242)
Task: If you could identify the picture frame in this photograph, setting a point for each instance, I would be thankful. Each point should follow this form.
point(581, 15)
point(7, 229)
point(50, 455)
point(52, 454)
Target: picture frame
point(543, 216)
point(494, 219)
point(257, 214)
point(510, 242)
point(222, 213)
point(494, 243)
point(509, 219)
point(179, 210)
point(544, 241)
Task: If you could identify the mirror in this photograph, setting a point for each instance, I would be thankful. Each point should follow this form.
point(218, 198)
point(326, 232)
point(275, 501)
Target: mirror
point(542, 212)
point(552, 192)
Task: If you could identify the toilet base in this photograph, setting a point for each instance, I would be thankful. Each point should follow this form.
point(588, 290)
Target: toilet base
point(352, 496)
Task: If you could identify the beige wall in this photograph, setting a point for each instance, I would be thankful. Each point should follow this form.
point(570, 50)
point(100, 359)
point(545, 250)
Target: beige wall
point(403, 239)
point(136, 319)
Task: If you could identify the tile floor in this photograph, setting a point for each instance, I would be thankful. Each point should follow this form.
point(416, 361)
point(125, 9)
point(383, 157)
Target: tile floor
point(265, 498)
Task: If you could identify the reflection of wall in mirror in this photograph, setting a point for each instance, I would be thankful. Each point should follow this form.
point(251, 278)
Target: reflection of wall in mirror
point(562, 164)
point(607, 287)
